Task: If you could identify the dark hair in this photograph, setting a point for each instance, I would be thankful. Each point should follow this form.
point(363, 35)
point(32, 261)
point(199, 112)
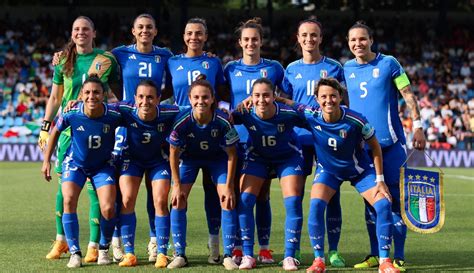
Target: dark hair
point(264, 81)
point(149, 83)
point(201, 81)
point(94, 78)
point(361, 24)
point(255, 23)
point(197, 20)
point(311, 20)
point(143, 15)
point(70, 52)
point(329, 82)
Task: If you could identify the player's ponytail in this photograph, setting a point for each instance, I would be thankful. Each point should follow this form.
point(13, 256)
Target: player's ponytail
point(201, 81)
point(70, 51)
point(361, 24)
point(255, 23)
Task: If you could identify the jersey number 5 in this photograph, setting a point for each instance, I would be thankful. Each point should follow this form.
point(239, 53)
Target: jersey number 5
point(363, 89)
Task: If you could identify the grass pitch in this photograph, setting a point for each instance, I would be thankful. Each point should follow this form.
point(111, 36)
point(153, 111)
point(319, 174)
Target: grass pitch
point(27, 228)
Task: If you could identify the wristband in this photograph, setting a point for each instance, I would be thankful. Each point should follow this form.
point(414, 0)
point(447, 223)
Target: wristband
point(379, 178)
point(417, 124)
point(45, 125)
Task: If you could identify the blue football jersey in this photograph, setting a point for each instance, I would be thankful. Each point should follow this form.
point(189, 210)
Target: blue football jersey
point(241, 77)
point(136, 66)
point(145, 139)
point(92, 140)
point(301, 79)
point(198, 142)
point(339, 145)
point(184, 70)
point(274, 138)
point(373, 93)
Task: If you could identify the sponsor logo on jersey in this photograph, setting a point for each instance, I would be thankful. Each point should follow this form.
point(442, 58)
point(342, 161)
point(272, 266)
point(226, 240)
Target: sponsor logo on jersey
point(80, 128)
point(132, 57)
point(191, 135)
point(215, 132)
point(179, 68)
point(323, 73)
point(298, 76)
point(160, 127)
point(98, 66)
point(157, 59)
point(165, 172)
point(109, 179)
point(352, 76)
point(376, 73)
point(318, 127)
point(238, 74)
point(343, 133)
point(106, 128)
point(253, 128)
point(281, 127)
point(298, 168)
point(205, 65)
point(263, 73)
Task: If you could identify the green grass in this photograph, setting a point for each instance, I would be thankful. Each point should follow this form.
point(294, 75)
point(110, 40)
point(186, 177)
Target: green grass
point(27, 227)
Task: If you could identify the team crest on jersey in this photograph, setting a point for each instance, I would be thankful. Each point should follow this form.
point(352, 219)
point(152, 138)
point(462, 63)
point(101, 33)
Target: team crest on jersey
point(376, 73)
point(343, 133)
point(157, 59)
point(98, 66)
point(422, 199)
point(215, 132)
point(160, 127)
point(205, 65)
point(281, 128)
point(263, 73)
point(125, 166)
point(66, 174)
point(106, 128)
point(323, 73)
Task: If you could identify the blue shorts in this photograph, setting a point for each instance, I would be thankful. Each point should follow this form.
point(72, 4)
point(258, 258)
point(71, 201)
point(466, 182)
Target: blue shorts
point(189, 169)
point(157, 172)
point(362, 182)
point(263, 168)
point(100, 177)
point(393, 158)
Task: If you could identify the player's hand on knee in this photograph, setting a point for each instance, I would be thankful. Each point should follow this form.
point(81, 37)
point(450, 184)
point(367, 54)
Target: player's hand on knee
point(228, 199)
point(381, 188)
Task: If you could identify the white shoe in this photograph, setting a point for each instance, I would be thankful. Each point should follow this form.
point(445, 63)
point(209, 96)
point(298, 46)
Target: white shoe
point(214, 256)
point(290, 264)
point(75, 261)
point(178, 262)
point(152, 247)
point(248, 262)
point(117, 252)
point(229, 263)
point(104, 258)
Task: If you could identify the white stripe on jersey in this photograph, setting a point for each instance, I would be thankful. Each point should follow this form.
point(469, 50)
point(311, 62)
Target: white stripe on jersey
point(356, 164)
point(390, 126)
point(295, 148)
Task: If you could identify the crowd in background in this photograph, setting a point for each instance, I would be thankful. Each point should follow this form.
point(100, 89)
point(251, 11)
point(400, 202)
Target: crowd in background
point(440, 68)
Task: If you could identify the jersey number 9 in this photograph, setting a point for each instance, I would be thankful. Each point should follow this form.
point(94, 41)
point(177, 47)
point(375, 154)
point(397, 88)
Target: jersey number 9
point(332, 142)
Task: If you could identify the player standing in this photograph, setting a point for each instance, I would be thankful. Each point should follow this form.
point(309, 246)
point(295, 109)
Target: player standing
point(202, 138)
point(338, 133)
point(375, 79)
point(91, 125)
point(241, 75)
point(139, 61)
point(80, 60)
point(185, 69)
point(272, 147)
point(301, 76)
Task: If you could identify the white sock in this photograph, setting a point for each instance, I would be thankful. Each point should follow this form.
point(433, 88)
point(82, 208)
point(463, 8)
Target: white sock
point(116, 241)
point(264, 247)
point(213, 239)
point(60, 237)
point(382, 260)
point(153, 240)
point(322, 258)
point(93, 245)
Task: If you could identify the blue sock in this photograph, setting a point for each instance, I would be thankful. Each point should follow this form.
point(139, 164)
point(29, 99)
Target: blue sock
point(178, 230)
point(118, 208)
point(228, 230)
point(106, 231)
point(150, 209)
point(212, 207)
point(316, 226)
point(162, 224)
point(247, 222)
point(334, 221)
point(293, 224)
point(263, 218)
point(399, 228)
point(238, 241)
point(128, 225)
point(370, 220)
point(384, 226)
point(71, 230)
